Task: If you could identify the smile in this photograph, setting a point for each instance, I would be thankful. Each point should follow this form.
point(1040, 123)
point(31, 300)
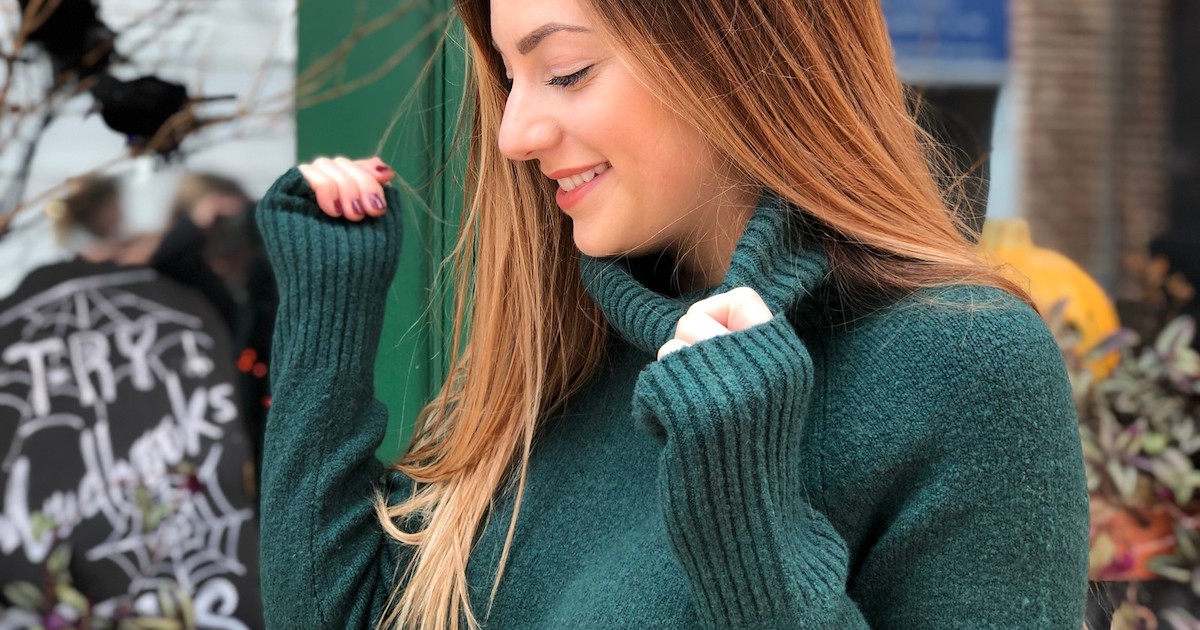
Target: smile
point(575, 181)
point(573, 187)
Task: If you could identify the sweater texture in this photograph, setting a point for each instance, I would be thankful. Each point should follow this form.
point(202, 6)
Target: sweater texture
point(915, 466)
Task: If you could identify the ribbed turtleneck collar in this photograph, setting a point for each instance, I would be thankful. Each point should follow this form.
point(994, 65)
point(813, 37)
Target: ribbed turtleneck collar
point(768, 258)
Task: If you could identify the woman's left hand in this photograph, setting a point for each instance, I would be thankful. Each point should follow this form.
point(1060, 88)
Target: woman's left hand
point(734, 310)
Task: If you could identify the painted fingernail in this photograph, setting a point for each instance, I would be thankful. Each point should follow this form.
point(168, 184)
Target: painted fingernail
point(358, 207)
point(337, 203)
point(382, 169)
point(377, 202)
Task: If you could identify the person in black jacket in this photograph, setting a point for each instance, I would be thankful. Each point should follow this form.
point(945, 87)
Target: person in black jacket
point(213, 245)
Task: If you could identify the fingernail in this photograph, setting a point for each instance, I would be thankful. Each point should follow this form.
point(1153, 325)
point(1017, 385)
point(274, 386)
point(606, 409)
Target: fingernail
point(377, 201)
point(337, 203)
point(382, 169)
point(358, 207)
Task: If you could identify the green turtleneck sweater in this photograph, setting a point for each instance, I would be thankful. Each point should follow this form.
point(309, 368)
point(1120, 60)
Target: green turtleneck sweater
point(917, 466)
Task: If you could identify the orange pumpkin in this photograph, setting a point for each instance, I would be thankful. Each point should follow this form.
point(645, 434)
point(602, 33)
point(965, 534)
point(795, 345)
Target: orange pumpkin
point(1052, 278)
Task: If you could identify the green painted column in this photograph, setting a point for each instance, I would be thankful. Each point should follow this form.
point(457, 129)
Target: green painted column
point(382, 78)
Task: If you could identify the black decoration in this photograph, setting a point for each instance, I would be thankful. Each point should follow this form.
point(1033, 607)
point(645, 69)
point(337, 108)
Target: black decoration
point(74, 37)
point(140, 107)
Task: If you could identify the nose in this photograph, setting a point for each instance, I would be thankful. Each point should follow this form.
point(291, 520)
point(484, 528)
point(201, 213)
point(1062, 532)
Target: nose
point(527, 128)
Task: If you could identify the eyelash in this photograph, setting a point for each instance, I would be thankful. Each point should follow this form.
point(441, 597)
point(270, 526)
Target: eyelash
point(563, 81)
point(570, 79)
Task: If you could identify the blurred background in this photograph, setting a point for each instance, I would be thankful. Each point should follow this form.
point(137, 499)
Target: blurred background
point(136, 305)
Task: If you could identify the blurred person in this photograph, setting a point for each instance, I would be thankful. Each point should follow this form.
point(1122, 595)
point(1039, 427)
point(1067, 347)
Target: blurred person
point(183, 251)
point(88, 220)
point(218, 207)
point(213, 244)
point(88, 213)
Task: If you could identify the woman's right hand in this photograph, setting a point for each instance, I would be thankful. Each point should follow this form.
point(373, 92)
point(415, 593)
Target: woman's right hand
point(348, 188)
point(332, 274)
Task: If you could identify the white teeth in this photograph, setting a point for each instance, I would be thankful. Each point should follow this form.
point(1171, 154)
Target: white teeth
point(575, 181)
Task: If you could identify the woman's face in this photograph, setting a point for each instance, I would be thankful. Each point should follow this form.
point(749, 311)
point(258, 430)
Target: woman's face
point(652, 182)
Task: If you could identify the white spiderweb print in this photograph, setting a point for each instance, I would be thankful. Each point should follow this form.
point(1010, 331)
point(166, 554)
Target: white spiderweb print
point(81, 342)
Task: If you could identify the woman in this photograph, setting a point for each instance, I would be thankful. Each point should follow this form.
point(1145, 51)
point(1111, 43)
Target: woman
point(731, 363)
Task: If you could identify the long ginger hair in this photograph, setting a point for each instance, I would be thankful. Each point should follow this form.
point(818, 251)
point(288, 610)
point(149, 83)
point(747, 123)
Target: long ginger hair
point(801, 95)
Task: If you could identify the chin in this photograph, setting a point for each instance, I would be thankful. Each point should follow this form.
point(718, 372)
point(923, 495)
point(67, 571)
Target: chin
point(611, 250)
point(593, 250)
point(606, 240)
point(595, 245)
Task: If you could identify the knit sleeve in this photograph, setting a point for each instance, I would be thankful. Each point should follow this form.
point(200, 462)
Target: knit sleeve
point(985, 517)
point(991, 534)
point(325, 561)
point(731, 411)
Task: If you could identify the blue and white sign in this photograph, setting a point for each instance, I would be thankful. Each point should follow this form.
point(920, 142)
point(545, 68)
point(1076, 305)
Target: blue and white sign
point(950, 42)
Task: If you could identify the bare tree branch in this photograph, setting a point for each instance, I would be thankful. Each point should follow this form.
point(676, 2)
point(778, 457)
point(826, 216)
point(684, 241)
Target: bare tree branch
point(12, 196)
point(320, 82)
point(337, 57)
point(307, 92)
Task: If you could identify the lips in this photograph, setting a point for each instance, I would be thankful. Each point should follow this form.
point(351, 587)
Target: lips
point(575, 180)
point(575, 170)
point(573, 187)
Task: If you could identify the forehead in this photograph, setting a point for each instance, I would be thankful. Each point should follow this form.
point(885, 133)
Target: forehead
point(514, 19)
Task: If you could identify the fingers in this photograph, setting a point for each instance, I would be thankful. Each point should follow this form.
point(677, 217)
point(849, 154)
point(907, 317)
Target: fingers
point(737, 309)
point(377, 169)
point(692, 328)
point(348, 188)
point(696, 326)
point(734, 310)
point(324, 187)
point(370, 191)
point(669, 347)
point(350, 194)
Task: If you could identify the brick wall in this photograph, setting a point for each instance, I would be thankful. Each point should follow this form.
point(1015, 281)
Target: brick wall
point(1091, 78)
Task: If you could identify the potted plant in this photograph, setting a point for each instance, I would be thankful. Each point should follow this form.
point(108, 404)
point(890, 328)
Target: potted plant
point(1183, 564)
point(1140, 429)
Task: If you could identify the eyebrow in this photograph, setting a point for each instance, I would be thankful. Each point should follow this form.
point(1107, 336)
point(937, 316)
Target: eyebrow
point(535, 37)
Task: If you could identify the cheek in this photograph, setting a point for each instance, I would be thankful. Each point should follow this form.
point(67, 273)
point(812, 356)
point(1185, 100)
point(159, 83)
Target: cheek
point(661, 163)
point(680, 164)
point(600, 122)
point(671, 147)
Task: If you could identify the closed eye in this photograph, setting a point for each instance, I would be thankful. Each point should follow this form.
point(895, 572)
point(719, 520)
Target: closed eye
point(570, 79)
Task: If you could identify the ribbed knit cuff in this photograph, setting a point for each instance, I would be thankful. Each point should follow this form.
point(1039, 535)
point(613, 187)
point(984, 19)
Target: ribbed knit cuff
point(332, 274)
point(731, 411)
